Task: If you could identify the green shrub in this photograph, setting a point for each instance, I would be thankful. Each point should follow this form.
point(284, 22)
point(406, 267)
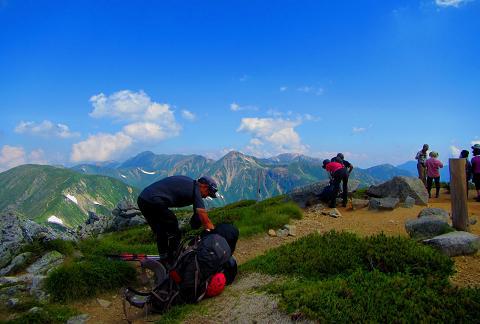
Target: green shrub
point(139, 239)
point(38, 248)
point(79, 279)
point(52, 314)
point(256, 217)
point(319, 256)
point(377, 297)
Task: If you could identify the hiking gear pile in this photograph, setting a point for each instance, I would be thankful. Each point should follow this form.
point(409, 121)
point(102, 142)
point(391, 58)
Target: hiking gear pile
point(202, 267)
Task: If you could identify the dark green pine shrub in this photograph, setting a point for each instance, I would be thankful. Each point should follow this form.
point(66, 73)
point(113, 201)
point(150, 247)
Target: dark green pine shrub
point(339, 253)
point(86, 278)
point(376, 297)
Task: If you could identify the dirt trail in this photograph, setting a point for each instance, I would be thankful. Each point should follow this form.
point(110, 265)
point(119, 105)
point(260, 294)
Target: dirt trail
point(239, 298)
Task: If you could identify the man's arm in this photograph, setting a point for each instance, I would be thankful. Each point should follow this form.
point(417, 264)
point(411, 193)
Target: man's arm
point(206, 222)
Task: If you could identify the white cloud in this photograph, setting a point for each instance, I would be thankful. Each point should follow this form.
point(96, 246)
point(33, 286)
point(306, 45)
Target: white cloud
point(149, 121)
point(283, 88)
point(188, 115)
point(100, 147)
point(272, 136)
point(318, 91)
point(455, 151)
point(45, 128)
point(12, 156)
point(450, 3)
point(127, 105)
point(358, 129)
point(236, 107)
point(144, 131)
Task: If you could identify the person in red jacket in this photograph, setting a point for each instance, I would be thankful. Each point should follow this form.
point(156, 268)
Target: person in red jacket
point(337, 173)
point(433, 173)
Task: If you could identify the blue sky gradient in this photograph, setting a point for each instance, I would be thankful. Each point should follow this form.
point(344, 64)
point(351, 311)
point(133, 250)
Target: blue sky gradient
point(101, 80)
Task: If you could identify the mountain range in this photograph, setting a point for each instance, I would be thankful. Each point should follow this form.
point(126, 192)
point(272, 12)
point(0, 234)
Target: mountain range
point(66, 195)
point(239, 176)
point(58, 195)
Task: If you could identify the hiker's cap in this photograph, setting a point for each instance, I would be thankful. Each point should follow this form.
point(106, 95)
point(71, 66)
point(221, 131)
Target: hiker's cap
point(476, 147)
point(425, 146)
point(212, 185)
point(325, 162)
point(340, 155)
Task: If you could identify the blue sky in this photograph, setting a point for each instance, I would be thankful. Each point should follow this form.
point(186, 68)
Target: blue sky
point(104, 80)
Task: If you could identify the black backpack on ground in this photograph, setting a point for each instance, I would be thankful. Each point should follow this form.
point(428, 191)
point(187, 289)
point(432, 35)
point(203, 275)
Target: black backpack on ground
point(188, 278)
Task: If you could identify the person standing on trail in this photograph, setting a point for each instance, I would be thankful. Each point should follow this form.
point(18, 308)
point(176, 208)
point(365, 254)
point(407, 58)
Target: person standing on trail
point(476, 168)
point(340, 158)
point(338, 173)
point(175, 191)
point(468, 167)
point(433, 174)
point(421, 158)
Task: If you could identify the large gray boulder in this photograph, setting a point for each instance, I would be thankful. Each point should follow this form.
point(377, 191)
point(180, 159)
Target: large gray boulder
point(308, 195)
point(456, 243)
point(11, 237)
point(427, 227)
point(16, 232)
point(17, 263)
point(388, 203)
point(48, 261)
point(437, 212)
point(401, 188)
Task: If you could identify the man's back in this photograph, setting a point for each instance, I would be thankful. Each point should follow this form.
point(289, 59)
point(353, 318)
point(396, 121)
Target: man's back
point(174, 191)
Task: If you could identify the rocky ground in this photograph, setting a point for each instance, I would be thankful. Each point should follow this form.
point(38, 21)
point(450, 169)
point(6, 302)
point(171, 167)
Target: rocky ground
point(241, 304)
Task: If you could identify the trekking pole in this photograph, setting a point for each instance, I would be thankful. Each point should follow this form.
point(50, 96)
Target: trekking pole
point(133, 257)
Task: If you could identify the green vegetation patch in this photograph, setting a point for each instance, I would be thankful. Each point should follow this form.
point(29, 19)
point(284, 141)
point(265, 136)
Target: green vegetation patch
point(331, 254)
point(86, 278)
point(53, 314)
point(257, 217)
point(376, 297)
point(340, 277)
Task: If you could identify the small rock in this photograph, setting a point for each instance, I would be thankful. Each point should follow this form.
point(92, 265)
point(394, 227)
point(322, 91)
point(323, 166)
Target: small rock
point(387, 203)
point(12, 302)
point(409, 202)
point(104, 303)
point(282, 233)
point(272, 232)
point(292, 229)
point(34, 310)
point(48, 261)
point(79, 319)
point(438, 212)
point(17, 263)
point(456, 243)
point(359, 203)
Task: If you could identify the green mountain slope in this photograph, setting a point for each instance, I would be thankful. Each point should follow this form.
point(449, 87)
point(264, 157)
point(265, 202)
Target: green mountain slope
point(39, 192)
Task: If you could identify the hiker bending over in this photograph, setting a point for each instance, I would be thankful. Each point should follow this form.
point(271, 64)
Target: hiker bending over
point(433, 174)
point(421, 158)
point(176, 191)
point(338, 173)
point(349, 167)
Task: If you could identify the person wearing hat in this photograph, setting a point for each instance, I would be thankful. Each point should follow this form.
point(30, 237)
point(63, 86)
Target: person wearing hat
point(337, 173)
point(433, 173)
point(421, 158)
point(468, 166)
point(175, 191)
point(340, 158)
point(476, 168)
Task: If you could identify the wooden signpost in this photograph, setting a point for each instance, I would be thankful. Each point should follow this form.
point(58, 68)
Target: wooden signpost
point(458, 193)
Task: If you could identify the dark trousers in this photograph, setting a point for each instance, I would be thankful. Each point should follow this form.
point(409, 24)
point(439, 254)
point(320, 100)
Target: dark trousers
point(437, 185)
point(164, 225)
point(338, 176)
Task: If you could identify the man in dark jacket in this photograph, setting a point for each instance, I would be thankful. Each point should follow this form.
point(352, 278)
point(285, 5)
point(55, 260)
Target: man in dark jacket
point(176, 191)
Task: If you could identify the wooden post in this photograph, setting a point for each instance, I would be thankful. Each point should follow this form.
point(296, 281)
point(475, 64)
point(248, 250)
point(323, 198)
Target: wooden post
point(458, 192)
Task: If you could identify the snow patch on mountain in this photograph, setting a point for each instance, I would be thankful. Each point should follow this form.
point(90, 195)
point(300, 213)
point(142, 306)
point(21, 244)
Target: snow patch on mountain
point(72, 198)
point(123, 176)
point(146, 172)
point(54, 219)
